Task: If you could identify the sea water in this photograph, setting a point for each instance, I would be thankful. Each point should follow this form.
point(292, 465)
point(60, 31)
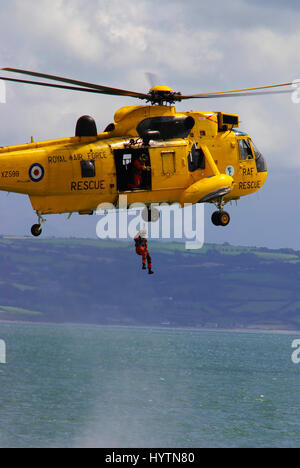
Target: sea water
point(98, 386)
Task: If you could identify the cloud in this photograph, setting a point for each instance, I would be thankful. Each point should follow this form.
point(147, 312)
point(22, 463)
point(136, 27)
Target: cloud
point(62, 25)
point(188, 45)
point(271, 51)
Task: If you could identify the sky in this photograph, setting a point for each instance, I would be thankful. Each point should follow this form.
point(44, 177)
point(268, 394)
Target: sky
point(192, 46)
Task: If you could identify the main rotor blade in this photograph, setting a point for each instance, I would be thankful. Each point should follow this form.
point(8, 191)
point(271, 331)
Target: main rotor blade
point(50, 85)
point(238, 92)
point(229, 95)
point(101, 89)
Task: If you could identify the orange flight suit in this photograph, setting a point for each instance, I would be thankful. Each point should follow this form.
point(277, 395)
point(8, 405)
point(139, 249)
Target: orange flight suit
point(138, 168)
point(141, 248)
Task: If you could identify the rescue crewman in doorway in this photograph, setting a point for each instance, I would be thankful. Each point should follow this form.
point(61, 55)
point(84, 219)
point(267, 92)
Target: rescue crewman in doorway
point(141, 248)
point(139, 165)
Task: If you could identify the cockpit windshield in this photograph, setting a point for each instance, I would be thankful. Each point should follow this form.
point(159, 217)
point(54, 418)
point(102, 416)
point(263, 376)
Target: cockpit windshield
point(256, 151)
point(261, 164)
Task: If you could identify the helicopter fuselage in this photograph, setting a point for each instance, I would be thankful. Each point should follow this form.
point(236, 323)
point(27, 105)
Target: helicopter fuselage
point(188, 157)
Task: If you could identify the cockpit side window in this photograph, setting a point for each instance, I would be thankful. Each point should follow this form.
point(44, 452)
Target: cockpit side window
point(245, 149)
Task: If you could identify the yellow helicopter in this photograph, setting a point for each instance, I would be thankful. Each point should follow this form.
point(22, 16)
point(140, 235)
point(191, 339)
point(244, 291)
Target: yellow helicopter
point(150, 153)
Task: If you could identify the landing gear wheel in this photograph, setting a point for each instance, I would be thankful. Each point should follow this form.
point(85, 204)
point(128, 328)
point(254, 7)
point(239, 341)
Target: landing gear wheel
point(220, 218)
point(215, 218)
point(36, 230)
point(224, 218)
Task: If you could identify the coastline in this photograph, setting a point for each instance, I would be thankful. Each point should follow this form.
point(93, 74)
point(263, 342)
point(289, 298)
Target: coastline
point(159, 327)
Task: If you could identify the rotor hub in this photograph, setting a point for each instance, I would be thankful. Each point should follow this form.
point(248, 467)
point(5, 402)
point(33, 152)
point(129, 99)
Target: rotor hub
point(163, 95)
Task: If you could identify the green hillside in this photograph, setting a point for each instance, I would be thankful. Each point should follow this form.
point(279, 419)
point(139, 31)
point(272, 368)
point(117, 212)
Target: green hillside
point(93, 281)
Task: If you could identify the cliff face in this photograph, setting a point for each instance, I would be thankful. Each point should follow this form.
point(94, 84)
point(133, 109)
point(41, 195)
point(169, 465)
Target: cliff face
point(93, 281)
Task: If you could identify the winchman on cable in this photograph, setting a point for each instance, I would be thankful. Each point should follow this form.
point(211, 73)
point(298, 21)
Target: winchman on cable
point(141, 248)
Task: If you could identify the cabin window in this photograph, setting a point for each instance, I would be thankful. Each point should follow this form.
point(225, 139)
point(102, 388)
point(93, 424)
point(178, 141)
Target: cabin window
point(245, 149)
point(88, 169)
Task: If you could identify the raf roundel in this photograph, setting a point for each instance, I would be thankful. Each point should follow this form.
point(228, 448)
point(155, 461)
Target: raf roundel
point(36, 172)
